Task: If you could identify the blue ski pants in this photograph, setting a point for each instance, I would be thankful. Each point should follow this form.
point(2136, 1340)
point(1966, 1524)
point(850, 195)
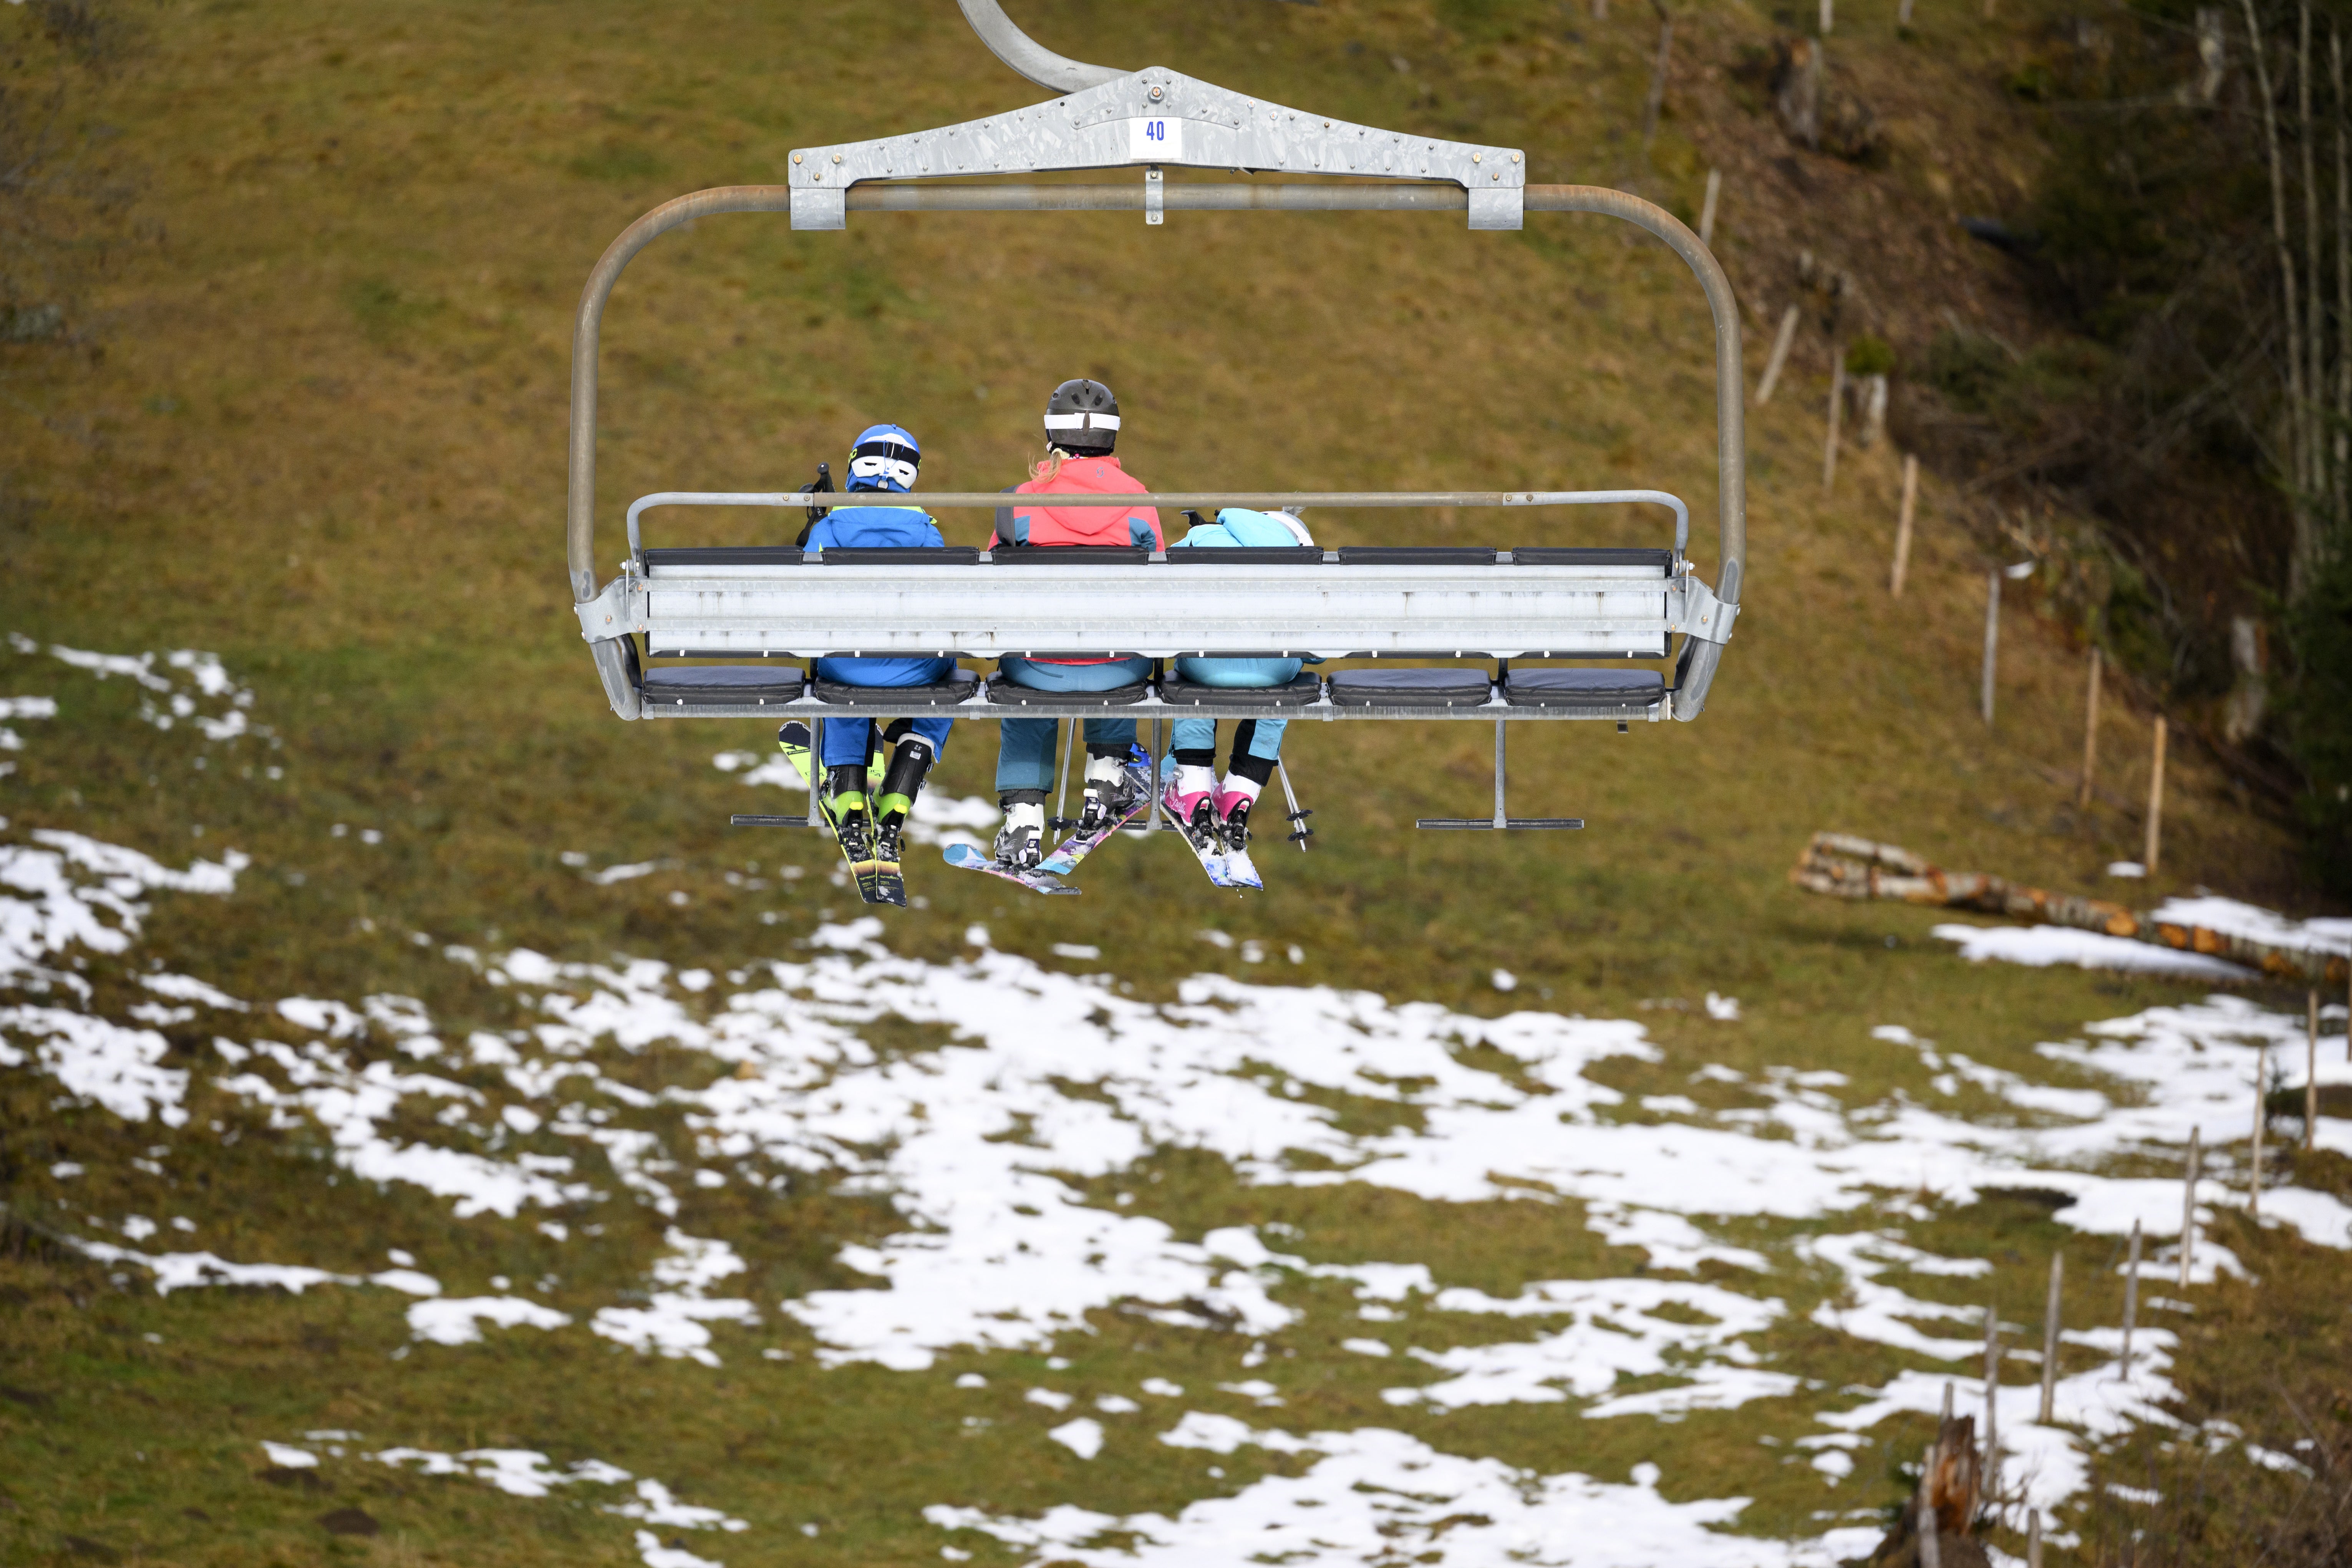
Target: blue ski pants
point(849, 741)
point(1024, 749)
point(1201, 734)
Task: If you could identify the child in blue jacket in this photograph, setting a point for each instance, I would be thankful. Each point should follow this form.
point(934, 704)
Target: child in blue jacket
point(885, 460)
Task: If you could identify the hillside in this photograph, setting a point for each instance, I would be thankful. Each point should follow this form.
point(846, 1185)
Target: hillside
point(357, 935)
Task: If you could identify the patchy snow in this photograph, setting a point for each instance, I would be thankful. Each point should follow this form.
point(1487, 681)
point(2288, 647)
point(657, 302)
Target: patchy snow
point(1050, 1080)
point(1380, 1496)
point(190, 1271)
point(458, 1321)
point(671, 1323)
point(1611, 1333)
point(1082, 1436)
point(2041, 946)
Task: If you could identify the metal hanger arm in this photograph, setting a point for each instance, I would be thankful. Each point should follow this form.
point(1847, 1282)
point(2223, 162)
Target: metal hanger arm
point(1026, 55)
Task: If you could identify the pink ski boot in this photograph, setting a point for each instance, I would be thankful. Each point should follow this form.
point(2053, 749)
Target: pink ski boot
point(1235, 795)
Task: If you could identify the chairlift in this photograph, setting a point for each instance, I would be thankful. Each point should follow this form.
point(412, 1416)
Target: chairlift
point(756, 606)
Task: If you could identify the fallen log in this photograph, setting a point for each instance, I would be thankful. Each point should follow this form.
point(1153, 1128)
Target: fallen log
point(1847, 866)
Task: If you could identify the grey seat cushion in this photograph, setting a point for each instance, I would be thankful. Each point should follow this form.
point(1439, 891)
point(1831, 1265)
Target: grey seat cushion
point(1410, 686)
point(941, 694)
point(1003, 693)
point(1294, 693)
point(1584, 688)
point(728, 685)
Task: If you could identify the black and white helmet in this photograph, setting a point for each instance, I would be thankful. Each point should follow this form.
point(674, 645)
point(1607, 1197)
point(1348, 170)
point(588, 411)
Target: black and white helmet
point(1082, 417)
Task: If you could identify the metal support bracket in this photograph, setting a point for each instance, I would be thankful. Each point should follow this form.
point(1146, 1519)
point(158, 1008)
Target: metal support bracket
point(1499, 206)
point(1502, 821)
point(606, 615)
point(1704, 616)
point(820, 209)
point(1155, 197)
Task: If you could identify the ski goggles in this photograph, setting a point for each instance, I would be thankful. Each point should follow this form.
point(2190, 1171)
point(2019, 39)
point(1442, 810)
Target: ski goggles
point(893, 465)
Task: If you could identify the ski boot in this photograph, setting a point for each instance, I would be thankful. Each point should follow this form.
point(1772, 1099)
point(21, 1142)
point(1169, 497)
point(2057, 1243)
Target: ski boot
point(1234, 798)
point(1113, 790)
point(844, 802)
point(1190, 797)
point(1020, 842)
point(892, 806)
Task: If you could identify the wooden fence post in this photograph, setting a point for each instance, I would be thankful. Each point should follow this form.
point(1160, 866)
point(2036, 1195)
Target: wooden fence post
point(2090, 735)
point(2050, 1340)
point(1779, 356)
point(2262, 1111)
point(2311, 1069)
point(1706, 206)
point(1902, 525)
point(2189, 1209)
point(2131, 1302)
point(1837, 407)
point(1992, 1404)
point(2155, 800)
point(1991, 639)
point(1656, 99)
point(1924, 1524)
point(1829, 15)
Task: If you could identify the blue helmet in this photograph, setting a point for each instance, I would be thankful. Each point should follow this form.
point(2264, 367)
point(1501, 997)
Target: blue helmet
point(885, 459)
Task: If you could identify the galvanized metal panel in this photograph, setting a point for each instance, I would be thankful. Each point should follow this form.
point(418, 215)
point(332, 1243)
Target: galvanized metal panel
point(1162, 117)
point(1157, 610)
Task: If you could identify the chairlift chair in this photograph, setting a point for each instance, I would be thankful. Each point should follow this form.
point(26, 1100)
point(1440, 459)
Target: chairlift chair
point(758, 605)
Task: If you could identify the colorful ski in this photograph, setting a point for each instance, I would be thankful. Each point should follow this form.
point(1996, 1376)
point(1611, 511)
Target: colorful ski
point(1241, 872)
point(852, 832)
point(890, 879)
point(1079, 846)
point(964, 858)
point(1206, 846)
point(793, 739)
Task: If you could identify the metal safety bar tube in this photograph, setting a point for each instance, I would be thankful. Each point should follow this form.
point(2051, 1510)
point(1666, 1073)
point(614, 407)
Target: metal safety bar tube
point(1263, 500)
point(1694, 673)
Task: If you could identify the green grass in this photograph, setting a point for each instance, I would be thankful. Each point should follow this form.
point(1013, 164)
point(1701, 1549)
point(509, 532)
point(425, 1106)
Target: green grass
point(325, 440)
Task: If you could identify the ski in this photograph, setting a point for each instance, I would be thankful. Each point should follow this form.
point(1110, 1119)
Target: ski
point(793, 739)
point(1206, 846)
point(1079, 846)
point(863, 870)
point(964, 858)
point(854, 833)
point(890, 879)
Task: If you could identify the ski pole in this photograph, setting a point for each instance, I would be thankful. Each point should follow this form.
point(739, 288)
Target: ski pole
point(1299, 832)
point(1062, 795)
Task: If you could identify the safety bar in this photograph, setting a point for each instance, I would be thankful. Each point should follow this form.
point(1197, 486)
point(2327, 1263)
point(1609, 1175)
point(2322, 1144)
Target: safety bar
point(1700, 658)
point(1261, 499)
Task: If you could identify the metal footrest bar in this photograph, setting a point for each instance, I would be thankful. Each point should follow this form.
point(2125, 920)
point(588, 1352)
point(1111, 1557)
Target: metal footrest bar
point(1502, 821)
point(740, 820)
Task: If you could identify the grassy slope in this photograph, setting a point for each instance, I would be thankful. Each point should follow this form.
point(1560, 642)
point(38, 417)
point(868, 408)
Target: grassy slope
point(326, 441)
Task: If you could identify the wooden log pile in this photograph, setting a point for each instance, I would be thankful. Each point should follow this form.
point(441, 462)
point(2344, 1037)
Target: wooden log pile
point(1847, 866)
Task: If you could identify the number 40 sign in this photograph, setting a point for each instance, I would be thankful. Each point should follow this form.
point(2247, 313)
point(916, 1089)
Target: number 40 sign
point(1155, 141)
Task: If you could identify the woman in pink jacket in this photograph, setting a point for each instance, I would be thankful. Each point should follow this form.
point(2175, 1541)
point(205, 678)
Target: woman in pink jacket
point(1081, 429)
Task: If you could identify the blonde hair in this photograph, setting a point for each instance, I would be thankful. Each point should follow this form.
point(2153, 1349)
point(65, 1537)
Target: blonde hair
point(1051, 466)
